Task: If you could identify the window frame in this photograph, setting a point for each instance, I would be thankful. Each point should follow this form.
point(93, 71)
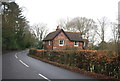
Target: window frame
point(76, 44)
point(62, 43)
point(48, 42)
point(84, 44)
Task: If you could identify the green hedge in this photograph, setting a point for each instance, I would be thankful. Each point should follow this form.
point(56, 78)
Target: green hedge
point(32, 51)
point(93, 61)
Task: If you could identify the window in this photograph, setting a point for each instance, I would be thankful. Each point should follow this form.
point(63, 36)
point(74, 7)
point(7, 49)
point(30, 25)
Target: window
point(49, 42)
point(76, 43)
point(61, 42)
point(84, 44)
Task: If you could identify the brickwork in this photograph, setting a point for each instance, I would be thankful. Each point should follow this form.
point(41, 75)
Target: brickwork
point(47, 45)
point(54, 44)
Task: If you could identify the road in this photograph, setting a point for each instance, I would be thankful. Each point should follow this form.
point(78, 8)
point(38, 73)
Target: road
point(17, 65)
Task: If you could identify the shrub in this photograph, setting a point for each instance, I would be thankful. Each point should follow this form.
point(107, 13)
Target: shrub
point(32, 51)
point(103, 62)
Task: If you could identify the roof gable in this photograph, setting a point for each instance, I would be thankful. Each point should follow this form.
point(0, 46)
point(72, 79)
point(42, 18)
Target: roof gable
point(72, 36)
point(52, 35)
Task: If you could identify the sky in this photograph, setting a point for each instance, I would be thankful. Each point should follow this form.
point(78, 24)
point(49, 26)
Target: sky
point(51, 11)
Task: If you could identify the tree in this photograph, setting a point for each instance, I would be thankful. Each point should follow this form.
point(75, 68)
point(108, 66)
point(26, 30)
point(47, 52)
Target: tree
point(40, 31)
point(101, 28)
point(79, 24)
point(114, 28)
point(8, 25)
point(14, 27)
point(118, 39)
point(63, 24)
point(29, 38)
point(86, 27)
point(102, 23)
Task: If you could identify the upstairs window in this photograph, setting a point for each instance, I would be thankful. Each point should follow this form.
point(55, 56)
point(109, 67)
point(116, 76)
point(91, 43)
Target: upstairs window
point(61, 42)
point(76, 43)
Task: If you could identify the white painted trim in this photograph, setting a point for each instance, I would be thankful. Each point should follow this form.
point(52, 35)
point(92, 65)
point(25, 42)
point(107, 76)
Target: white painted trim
point(49, 42)
point(61, 44)
point(77, 44)
point(84, 43)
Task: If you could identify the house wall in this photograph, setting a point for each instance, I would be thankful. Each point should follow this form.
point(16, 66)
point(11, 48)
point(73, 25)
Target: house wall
point(54, 45)
point(47, 46)
point(67, 44)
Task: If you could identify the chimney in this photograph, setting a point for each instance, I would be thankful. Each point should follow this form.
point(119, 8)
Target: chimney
point(58, 28)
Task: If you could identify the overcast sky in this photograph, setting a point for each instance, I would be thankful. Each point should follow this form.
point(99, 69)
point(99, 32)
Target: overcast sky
point(50, 11)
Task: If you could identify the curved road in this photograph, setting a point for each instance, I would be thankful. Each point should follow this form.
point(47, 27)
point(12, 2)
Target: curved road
point(17, 65)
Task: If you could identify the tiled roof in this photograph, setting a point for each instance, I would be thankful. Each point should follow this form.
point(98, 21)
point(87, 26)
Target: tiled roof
point(72, 36)
point(52, 35)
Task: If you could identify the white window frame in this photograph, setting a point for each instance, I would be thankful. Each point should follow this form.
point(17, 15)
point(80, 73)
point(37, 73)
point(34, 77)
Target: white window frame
point(49, 42)
point(76, 43)
point(62, 43)
point(84, 44)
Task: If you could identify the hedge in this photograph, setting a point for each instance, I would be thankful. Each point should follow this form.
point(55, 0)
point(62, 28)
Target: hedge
point(102, 62)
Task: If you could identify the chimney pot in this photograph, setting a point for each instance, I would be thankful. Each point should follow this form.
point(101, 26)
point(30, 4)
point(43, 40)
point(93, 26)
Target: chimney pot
point(58, 27)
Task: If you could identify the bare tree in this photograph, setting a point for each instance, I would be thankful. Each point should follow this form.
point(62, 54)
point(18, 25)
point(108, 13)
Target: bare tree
point(101, 31)
point(63, 23)
point(114, 28)
point(102, 23)
point(119, 39)
point(78, 24)
point(39, 30)
point(86, 27)
point(112, 44)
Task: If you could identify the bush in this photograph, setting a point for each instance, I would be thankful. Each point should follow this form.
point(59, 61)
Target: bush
point(32, 51)
point(103, 62)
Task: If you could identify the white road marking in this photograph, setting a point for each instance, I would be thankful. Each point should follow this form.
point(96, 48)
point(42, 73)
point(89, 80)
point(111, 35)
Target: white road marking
point(44, 77)
point(16, 55)
point(23, 63)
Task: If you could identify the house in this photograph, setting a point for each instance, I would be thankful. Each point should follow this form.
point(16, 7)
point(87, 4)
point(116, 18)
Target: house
point(61, 39)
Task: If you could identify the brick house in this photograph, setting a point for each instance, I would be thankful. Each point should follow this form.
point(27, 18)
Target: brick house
point(60, 39)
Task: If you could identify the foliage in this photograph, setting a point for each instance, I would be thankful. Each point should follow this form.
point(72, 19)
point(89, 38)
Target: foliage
point(15, 28)
point(32, 51)
point(40, 30)
point(102, 62)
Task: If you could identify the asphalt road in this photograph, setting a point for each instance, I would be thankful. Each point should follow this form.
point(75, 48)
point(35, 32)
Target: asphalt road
point(17, 65)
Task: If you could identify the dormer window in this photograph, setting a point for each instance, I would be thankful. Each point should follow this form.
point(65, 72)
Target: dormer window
point(76, 43)
point(61, 42)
